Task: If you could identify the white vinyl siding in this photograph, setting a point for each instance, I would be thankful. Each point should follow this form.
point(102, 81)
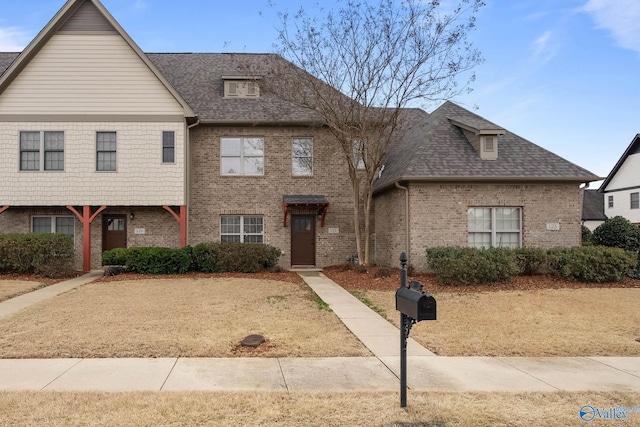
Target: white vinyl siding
point(494, 227)
point(141, 179)
point(87, 74)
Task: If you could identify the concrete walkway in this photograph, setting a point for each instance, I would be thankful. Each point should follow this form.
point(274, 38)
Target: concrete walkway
point(378, 372)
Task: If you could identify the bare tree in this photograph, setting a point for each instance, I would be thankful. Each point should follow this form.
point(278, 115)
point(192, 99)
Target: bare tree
point(357, 66)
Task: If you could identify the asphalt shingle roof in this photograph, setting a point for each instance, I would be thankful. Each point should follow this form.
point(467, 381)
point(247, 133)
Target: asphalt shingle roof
point(430, 147)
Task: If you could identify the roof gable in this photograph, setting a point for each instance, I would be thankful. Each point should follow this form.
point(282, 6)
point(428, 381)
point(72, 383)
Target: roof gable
point(432, 148)
point(633, 148)
point(83, 16)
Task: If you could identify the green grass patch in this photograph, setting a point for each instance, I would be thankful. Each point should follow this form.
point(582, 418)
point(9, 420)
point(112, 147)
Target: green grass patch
point(362, 296)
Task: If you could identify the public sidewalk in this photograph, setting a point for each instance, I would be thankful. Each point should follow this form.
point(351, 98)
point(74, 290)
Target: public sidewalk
point(379, 372)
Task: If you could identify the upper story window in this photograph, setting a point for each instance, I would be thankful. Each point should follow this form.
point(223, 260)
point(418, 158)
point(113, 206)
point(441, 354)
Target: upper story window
point(494, 227)
point(106, 151)
point(302, 157)
point(358, 154)
point(242, 156)
point(241, 87)
point(635, 200)
point(610, 202)
point(168, 147)
point(33, 143)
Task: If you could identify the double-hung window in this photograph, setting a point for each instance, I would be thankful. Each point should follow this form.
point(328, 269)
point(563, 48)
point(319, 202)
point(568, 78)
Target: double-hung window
point(242, 156)
point(494, 227)
point(302, 156)
point(168, 147)
point(610, 202)
point(33, 143)
point(242, 228)
point(358, 154)
point(106, 151)
point(635, 200)
point(53, 224)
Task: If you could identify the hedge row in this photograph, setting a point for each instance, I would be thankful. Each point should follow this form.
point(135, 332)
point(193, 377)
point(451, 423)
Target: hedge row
point(465, 266)
point(211, 257)
point(49, 255)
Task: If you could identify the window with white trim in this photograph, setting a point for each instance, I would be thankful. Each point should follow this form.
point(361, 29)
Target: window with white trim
point(53, 224)
point(494, 227)
point(610, 202)
point(168, 147)
point(51, 143)
point(106, 143)
point(242, 228)
point(242, 156)
point(237, 88)
point(302, 157)
point(635, 200)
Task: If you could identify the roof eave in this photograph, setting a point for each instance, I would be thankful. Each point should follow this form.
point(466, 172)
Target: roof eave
point(520, 179)
point(614, 171)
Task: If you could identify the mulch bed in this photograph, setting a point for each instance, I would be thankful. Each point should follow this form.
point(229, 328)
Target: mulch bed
point(354, 280)
point(284, 276)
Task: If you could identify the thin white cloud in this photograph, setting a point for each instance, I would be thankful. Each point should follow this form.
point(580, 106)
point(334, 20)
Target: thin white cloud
point(620, 17)
point(12, 39)
point(545, 47)
point(140, 5)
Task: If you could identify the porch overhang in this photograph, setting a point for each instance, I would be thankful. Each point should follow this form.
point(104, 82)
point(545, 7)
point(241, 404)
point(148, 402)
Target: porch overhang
point(305, 201)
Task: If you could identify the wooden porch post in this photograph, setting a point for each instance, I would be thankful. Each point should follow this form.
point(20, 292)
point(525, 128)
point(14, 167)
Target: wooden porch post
point(182, 220)
point(86, 218)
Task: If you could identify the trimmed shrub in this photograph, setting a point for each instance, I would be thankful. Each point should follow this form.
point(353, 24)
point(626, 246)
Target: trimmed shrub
point(465, 266)
point(618, 232)
point(216, 257)
point(48, 255)
point(530, 261)
point(116, 256)
point(158, 260)
point(587, 236)
point(592, 263)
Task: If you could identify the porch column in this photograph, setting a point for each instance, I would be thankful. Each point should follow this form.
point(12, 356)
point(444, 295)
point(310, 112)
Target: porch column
point(86, 218)
point(4, 208)
point(182, 220)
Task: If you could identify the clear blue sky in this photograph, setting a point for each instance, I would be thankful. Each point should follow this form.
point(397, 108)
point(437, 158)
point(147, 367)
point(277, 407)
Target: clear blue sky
point(564, 74)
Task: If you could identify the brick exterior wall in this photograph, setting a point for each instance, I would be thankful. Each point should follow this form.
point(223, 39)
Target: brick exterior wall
point(213, 195)
point(438, 215)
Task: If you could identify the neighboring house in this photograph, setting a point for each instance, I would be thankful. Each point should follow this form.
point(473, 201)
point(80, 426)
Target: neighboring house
point(119, 148)
point(593, 209)
point(621, 187)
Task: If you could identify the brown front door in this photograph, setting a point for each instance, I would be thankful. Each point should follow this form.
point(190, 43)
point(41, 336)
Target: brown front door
point(303, 240)
point(114, 232)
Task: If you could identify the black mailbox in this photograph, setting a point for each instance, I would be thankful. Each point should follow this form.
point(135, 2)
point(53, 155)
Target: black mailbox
point(415, 303)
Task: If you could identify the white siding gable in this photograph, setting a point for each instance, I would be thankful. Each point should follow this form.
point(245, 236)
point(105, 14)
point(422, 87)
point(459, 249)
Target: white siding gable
point(87, 74)
point(628, 175)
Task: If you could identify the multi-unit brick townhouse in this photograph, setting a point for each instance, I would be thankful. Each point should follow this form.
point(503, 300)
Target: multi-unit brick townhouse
point(121, 148)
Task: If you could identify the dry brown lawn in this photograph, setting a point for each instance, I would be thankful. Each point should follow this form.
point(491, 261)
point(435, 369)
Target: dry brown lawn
point(307, 409)
point(551, 322)
point(13, 288)
point(187, 317)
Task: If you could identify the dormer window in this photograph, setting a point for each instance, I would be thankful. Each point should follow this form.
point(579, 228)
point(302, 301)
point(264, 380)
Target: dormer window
point(241, 87)
point(488, 147)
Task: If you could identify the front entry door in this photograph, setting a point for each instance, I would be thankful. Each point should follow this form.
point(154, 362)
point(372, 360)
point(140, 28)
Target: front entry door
point(114, 232)
point(303, 240)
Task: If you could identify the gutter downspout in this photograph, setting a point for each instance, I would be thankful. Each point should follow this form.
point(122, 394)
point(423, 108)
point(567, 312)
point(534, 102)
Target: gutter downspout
point(406, 216)
point(187, 190)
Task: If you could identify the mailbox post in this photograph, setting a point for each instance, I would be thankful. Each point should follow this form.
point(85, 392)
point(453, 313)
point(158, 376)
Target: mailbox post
point(414, 306)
